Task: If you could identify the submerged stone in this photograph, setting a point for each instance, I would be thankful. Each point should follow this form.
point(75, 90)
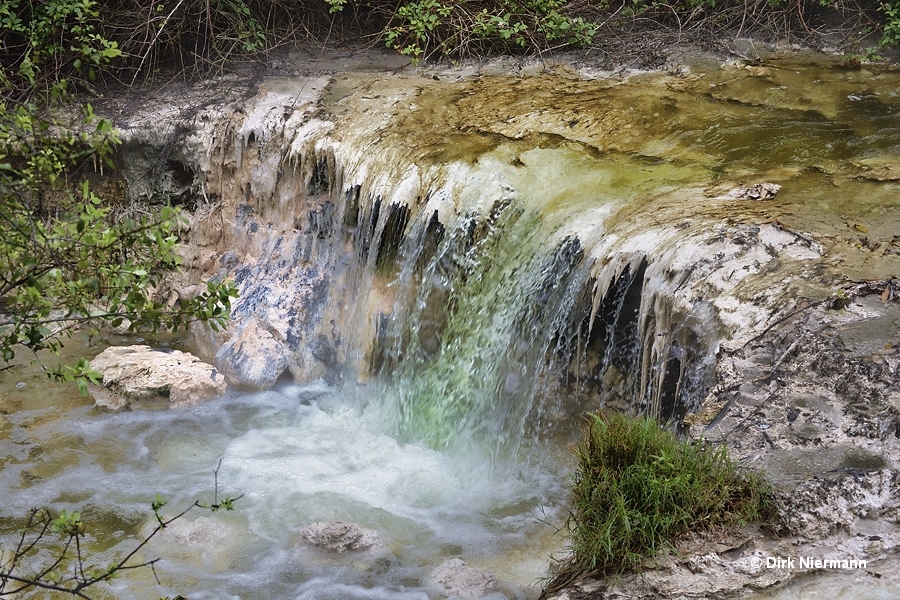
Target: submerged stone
point(206, 541)
point(458, 579)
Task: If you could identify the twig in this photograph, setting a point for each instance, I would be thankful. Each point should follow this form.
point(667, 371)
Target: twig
point(778, 362)
point(793, 313)
point(153, 41)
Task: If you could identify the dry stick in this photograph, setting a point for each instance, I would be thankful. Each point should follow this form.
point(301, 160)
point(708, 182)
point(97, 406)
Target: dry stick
point(728, 404)
point(740, 425)
point(153, 41)
point(677, 18)
point(781, 320)
point(722, 412)
point(743, 21)
point(775, 367)
point(146, 35)
point(778, 363)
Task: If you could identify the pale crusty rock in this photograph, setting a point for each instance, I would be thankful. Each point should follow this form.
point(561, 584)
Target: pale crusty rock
point(758, 191)
point(208, 542)
point(338, 536)
point(462, 581)
point(202, 532)
point(142, 373)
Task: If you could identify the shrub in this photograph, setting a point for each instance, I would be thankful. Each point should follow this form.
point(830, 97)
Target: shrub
point(423, 27)
point(66, 258)
point(890, 37)
point(637, 489)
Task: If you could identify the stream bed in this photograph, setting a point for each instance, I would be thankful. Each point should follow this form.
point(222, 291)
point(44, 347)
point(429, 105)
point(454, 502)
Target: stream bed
point(295, 455)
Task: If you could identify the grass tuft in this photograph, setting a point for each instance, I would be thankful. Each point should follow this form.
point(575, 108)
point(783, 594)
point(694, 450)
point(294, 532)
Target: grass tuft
point(638, 489)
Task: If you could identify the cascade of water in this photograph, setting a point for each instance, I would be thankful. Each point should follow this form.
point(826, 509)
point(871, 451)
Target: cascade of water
point(464, 273)
point(489, 326)
point(490, 285)
point(488, 299)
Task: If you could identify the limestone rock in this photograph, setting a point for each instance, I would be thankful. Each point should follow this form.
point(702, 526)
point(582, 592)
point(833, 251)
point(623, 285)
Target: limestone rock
point(460, 580)
point(143, 373)
point(207, 542)
point(757, 191)
point(253, 359)
point(202, 532)
point(338, 536)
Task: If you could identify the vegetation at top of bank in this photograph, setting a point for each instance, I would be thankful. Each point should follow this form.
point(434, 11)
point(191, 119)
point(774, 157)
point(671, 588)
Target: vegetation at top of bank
point(637, 489)
point(84, 41)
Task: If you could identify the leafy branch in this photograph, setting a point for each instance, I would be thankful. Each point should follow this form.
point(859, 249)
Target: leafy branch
point(66, 258)
point(68, 570)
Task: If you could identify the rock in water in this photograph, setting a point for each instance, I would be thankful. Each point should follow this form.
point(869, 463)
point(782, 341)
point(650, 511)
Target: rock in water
point(758, 191)
point(338, 536)
point(141, 373)
point(253, 359)
point(462, 581)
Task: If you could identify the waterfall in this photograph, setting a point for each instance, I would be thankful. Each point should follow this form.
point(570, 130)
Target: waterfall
point(489, 297)
point(439, 276)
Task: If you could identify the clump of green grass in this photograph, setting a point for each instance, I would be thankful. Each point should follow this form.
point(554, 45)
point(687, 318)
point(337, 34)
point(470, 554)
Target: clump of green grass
point(638, 489)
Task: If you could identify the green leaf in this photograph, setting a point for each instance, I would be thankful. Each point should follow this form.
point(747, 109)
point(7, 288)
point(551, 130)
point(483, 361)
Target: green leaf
point(158, 503)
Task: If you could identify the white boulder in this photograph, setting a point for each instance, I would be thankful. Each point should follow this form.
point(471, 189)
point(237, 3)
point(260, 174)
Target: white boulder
point(142, 373)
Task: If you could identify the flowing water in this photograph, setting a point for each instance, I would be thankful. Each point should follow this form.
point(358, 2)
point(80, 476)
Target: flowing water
point(296, 455)
point(564, 244)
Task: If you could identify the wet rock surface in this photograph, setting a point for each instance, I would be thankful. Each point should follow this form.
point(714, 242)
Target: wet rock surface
point(338, 536)
point(253, 358)
point(459, 580)
point(133, 373)
point(204, 540)
point(816, 408)
point(814, 403)
point(757, 191)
